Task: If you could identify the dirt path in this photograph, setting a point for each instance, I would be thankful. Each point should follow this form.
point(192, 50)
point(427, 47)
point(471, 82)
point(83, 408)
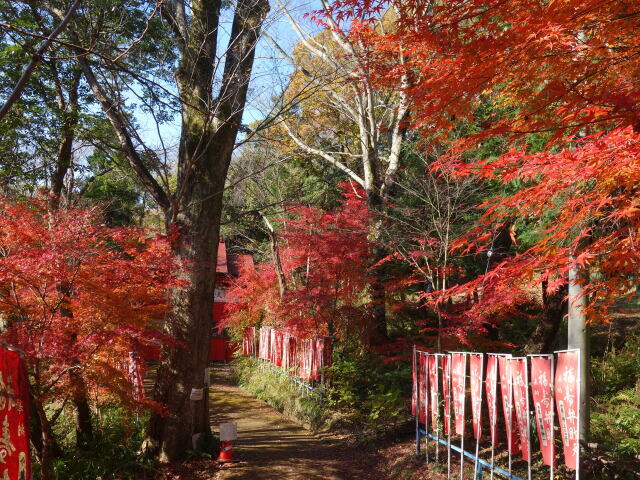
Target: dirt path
point(270, 446)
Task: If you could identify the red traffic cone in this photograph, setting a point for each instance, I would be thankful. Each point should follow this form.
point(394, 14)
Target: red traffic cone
point(226, 452)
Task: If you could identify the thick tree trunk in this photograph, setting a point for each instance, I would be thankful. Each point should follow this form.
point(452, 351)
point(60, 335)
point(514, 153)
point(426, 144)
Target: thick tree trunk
point(209, 129)
point(207, 141)
point(182, 368)
point(48, 443)
point(80, 399)
point(380, 332)
point(553, 310)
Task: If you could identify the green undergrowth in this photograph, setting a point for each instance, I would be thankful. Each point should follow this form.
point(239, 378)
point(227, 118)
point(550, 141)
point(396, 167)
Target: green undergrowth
point(112, 454)
point(278, 390)
point(368, 396)
point(366, 399)
point(615, 416)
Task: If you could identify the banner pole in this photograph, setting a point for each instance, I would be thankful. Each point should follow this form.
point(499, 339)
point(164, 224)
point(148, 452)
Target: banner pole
point(553, 417)
point(449, 416)
point(475, 467)
point(510, 420)
point(426, 406)
point(579, 413)
point(436, 406)
point(417, 406)
point(492, 427)
point(526, 383)
point(464, 389)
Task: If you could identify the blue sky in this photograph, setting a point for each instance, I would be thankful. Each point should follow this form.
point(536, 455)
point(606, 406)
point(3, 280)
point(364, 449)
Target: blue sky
point(270, 71)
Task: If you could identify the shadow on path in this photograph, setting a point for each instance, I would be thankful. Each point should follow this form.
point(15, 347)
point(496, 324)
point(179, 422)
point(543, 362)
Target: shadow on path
point(270, 446)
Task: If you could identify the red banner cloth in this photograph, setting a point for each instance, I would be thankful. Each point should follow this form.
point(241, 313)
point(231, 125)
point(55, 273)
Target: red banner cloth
point(279, 338)
point(475, 377)
point(491, 387)
point(293, 352)
point(306, 359)
point(248, 341)
point(424, 401)
point(520, 382)
point(458, 386)
point(327, 360)
point(272, 346)
point(446, 393)
point(543, 404)
point(507, 403)
point(135, 376)
point(434, 402)
point(14, 416)
point(265, 343)
point(567, 389)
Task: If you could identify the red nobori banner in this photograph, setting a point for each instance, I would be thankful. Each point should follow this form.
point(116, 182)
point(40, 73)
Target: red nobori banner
point(507, 403)
point(521, 401)
point(14, 416)
point(541, 367)
point(135, 376)
point(458, 386)
point(434, 403)
point(248, 341)
point(567, 389)
point(446, 380)
point(424, 400)
point(491, 386)
point(475, 379)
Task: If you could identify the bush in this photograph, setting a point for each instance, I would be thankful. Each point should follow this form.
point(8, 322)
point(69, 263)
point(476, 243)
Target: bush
point(372, 393)
point(113, 454)
point(615, 417)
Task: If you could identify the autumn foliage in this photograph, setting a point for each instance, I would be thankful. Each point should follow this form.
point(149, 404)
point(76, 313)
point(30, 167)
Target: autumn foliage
point(79, 295)
point(325, 260)
point(566, 71)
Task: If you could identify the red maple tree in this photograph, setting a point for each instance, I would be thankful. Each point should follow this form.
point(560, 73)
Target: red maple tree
point(324, 256)
point(567, 70)
point(76, 297)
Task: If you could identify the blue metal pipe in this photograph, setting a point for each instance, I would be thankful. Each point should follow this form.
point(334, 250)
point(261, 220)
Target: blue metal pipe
point(498, 470)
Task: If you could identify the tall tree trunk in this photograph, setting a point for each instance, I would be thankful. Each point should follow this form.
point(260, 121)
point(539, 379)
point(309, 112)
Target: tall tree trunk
point(578, 337)
point(553, 310)
point(275, 254)
point(209, 130)
point(80, 399)
point(48, 443)
point(378, 295)
point(207, 143)
point(67, 133)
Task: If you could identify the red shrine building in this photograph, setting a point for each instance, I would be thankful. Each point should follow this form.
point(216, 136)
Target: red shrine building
point(227, 268)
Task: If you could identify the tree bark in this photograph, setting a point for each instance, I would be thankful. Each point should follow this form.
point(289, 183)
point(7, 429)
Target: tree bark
point(80, 399)
point(67, 132)
point(48, 443)
point(553, 310)
point(275, 255)
point(207, 143)
point(578, 337)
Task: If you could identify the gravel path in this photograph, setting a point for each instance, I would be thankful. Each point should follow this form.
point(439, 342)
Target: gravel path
point(270, 446)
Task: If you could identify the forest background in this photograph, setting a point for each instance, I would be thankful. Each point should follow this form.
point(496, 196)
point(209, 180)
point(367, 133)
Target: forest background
point(402, 173)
